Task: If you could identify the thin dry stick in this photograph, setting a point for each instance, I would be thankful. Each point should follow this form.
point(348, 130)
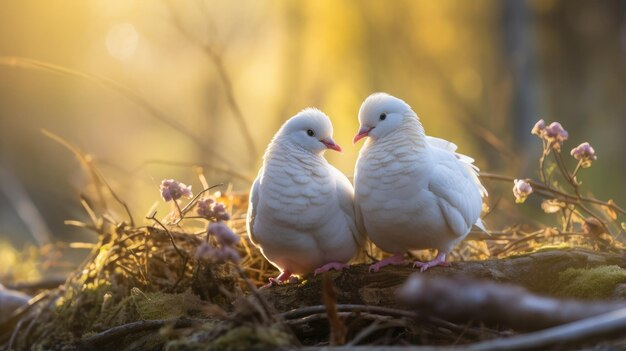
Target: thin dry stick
point(602, 325)
point(338, 330)
point(96, 176)
point(44, 283)
point(84, 161)
point(188, 207)
point(152, 217)
point(15, 333)
point(180, 253)
point(117, 333)
point(572, 181)
point(542, 160)
point(21, 62)
point(552, 190)
point(269, 311)
point(380, 310)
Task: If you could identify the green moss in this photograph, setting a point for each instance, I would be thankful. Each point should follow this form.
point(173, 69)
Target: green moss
point(249, 337)
point(113, 314)
point(167, 306)
point(592, 283)
point(245, 337)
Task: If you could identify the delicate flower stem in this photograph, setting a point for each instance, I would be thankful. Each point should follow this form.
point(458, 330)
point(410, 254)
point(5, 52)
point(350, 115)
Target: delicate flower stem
point(188, 207)
point(572, 181)
point(568, 176)
point(580, 163)
point(568, 222)
point(542, 159)
point(180, 253)
point(542, 186)
point(180, 213)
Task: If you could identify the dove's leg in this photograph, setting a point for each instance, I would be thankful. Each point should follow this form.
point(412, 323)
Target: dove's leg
point(440, 260)
point(332, 265)
point(396, 260)
point(283, 276)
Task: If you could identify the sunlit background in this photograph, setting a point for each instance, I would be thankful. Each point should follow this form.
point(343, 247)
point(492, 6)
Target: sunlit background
point(173, 84)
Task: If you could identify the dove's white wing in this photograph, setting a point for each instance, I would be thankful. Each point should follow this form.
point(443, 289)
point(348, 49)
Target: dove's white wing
point(441, 143)
point(461, 209)
point(345, 195)
point(252, 207)
point(467, 161)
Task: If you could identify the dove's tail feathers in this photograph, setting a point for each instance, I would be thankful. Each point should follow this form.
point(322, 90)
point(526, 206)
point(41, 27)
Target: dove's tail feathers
point(468, 162)
point(473, 171)
point(481, 224)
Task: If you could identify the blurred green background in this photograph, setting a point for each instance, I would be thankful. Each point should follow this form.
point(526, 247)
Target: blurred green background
point(479, 73)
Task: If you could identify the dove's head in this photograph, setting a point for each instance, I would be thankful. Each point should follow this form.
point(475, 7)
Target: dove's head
point(310, 129)
point(381, 114)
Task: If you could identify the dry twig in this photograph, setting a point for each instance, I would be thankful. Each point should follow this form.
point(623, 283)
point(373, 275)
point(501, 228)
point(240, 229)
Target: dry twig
point(464, 299)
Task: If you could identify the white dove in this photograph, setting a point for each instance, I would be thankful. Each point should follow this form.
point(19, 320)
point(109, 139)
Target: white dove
point(413, 191)
point(301, 211)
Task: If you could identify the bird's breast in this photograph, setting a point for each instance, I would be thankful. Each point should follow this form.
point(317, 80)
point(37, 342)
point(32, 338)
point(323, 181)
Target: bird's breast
point(297, 195)
point(386, 172)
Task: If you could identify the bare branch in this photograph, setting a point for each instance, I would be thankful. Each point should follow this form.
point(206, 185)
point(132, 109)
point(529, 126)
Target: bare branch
point(97, 178)
point(608, 324)
point(21, 62)
point(217, 61)
point(117, 333)
point(554, 191)
point(463, 299)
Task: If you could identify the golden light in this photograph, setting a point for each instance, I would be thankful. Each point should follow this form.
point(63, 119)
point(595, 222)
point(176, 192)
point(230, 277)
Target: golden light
point(122, 40)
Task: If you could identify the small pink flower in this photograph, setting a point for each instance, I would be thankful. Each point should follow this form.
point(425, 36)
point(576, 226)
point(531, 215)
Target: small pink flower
point(173, 190)
point(205, 208)
point(204, 251)
point(224, 235)
point(220, 212)
point(230, 254)
point(585, 153)
point(555, 132)
point(212, 210)
point(539, 127)
point(521, 190)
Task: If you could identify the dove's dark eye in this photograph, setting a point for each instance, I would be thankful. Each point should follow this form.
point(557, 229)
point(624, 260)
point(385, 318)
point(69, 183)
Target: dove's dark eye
point(382, 116)
point(310, 132)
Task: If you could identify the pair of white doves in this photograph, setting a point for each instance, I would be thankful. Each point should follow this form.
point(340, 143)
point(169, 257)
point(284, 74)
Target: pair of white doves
point(411, 192)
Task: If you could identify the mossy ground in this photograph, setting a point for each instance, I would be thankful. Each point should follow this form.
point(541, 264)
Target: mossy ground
point(244, 337)
point(133, 275)
point(136, 274)
point(592, 283)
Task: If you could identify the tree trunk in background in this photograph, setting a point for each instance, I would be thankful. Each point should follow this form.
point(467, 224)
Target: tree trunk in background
point(519, 53)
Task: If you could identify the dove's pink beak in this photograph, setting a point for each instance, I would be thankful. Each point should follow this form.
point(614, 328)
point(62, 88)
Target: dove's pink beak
point(330, 143)
point(363, 132)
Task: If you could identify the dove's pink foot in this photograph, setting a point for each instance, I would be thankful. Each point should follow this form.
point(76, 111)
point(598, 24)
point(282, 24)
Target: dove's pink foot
point(440, 260)
point(283, 276)
point(396, 260)
point(332, 265)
